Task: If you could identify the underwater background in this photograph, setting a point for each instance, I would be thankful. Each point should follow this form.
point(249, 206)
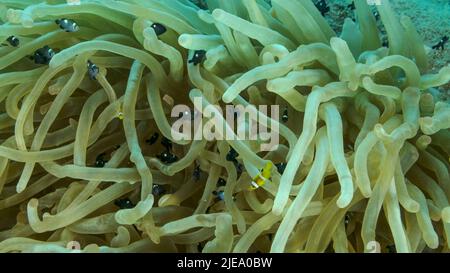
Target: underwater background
point(430, 17)
point(91, 159)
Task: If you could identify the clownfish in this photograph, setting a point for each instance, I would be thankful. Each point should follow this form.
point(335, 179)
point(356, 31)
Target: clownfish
point(67, 25)
point(262, 177)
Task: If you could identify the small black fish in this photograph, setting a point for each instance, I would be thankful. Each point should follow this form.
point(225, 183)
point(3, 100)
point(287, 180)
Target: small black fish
point(231, 155)
point(221, 182)
point(199, 57)
point(441, 43)
point(351, 6)
point(152, 140)
point(124, 203)
point(377, 15)
point(285, 116)
point(13, 41)
point(92, 70)
point(158, 190)
point(167, 143)
point(100, 161)
point(167, 158)
point(391, 248)
point(43, 55)
point(201, 4)
point(347, 219)
point(67, 25)
point(322, 6)
point(197, 173)
point(159, 29)
point(239, 167)
point(281, 167)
